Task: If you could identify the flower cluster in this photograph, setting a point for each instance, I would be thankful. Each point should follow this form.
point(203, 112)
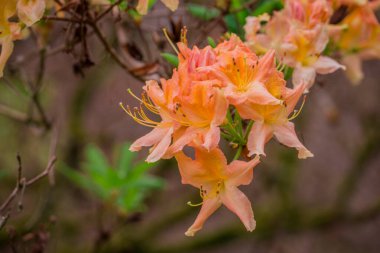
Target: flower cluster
point(356, 37)
point(305, 31)
point(28, 12)
point(196, 105)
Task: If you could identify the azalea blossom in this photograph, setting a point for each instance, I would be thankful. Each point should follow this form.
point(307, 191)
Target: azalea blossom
point(142, 6)
point(242, 73)
point(358, 40)
point(218, 184)
point(298, 34)
point(30, 11)
point(274, 120)
point(191, 109)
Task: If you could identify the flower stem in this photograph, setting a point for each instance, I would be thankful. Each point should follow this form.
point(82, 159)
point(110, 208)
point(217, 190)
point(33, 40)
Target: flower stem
point(238, 152)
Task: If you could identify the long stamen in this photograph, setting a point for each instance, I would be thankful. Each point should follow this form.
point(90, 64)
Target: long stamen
point(136, 114)
point(194, 205)
point(297, 112)
point(145, 101)
point(170, 41)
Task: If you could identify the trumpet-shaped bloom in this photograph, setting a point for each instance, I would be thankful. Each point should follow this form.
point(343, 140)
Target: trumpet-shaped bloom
point(274, 120)
point(358, 40)
point(299, 34)
point(218, 184)
point(191, 107)
point(30, 11)
point(242, 73)
point(142, 6)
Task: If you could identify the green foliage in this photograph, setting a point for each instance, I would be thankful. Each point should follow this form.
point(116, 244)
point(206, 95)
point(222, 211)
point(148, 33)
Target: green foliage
point(211, 42)
point(236, 20)
point(126, 185)
point(171, 58)
point(268, 6)
point(288, 72)
point(202, 12)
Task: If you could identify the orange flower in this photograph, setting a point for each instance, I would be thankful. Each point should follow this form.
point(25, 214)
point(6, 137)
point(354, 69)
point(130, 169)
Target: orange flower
point(358, 40)
point(218, 184)
point(191, 107)
point(274, 120)
point(30, 11)
point(242, 73)
point(298, 34)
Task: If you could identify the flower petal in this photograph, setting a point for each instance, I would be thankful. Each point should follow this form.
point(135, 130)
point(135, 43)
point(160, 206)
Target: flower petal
point(259, 94)
point(208, 208)
point(241, 172)
point(29, 12)
point(212, 138)
point(238, 203)
point(304, 75)
point(191, 170)
point(159, 138)
point(286, 135)
point(260, 134)
point(142, 7)
point(326, 65)
point(171, 4)
point(292, 96)
point(354, 68)
point(6, 51)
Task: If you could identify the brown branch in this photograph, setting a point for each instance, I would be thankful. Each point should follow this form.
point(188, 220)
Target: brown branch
point(23, 183)
point(111, 50)
point(104, 13)
point(13, 114)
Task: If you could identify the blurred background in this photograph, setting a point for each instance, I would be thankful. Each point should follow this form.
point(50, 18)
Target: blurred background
point(59, 100)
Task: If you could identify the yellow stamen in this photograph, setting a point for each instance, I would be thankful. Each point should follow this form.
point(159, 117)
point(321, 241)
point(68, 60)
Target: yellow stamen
point(170, 41)
point(148, 103)
point(297, 112)
point(138, 116)
point(194, 205)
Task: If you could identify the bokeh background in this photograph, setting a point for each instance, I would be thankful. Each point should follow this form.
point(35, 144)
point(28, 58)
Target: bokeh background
point(329, 203)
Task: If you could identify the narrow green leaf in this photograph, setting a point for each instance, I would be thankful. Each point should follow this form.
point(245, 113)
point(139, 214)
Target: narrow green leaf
point(268, 6)
point(202, 12)
point(211, 42)
point(96, 161)
point(125, 161)
point(171, 58)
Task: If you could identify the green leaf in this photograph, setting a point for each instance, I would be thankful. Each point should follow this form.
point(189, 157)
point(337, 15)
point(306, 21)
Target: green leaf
point(97, 163)
point(288, 73)
point(171, 58)
point(202, 12)
point(125, 161)
point(211, 42)
point(268, 6)
point(128, 185)
point(241, 15)
point(81, 180)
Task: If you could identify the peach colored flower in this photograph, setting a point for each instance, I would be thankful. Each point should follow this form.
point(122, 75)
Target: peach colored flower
point(218, 184)
point(142, 6)
point(190, 105)
point(298, 34)
point(274, 120)
point(9, 31)
point(242, 73)
point(358, 40)
point(30, 11)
